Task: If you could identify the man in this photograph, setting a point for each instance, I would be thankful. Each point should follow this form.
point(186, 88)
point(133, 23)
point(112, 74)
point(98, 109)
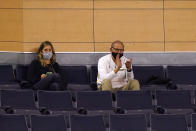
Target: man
point(115, 71)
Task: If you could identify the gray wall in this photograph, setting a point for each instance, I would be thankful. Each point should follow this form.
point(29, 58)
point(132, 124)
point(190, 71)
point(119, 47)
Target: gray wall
point(173, 58)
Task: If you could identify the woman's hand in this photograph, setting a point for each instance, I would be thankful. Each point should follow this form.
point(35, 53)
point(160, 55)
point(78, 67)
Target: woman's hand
point(43, 76)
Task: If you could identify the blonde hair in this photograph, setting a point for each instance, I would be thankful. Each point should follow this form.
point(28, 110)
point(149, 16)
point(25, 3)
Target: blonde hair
point(40, 56)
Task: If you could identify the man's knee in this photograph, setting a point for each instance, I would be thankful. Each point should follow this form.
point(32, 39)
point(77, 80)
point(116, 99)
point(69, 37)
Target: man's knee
point(106, 85)
point(106, 81)
point(134, 84)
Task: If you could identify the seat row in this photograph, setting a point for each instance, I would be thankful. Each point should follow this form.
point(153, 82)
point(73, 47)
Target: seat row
point(100, 100)
point(117, 122)
point(83, 77)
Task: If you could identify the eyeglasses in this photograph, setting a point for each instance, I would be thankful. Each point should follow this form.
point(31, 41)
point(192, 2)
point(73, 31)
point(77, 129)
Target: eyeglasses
point(121, 50)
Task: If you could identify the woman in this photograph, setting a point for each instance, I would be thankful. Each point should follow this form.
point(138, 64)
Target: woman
point(43, 73)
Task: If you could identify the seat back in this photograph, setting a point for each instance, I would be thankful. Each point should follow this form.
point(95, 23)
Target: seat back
point(144, 73)
point(56, 100)
point(87, 123)
point(12, 123)
point(48, 123)
point(21, 72)
point(134, 100)
point(75, 74)
point(93, 74)
point(6, 74)
point(168, 122)
point(193, 121)
point(174, 99)
point(19, 99)
point(133, 122)
point(182, 74)
point(94, 100)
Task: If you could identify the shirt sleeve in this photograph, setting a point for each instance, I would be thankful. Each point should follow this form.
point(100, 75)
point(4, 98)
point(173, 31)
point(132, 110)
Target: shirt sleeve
point(33, 74)
point(103, 71)
point(130, 75)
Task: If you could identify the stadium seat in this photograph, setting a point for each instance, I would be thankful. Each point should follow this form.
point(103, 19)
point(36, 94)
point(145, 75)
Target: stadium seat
point(77, 77)
point(21, 76)
point(13, 123)
point(48, 123)
point(134, 100)
point(87, 123)
point(148, 75)
point(93, 76)
point(7, 78)
point(183, 76)
point(133, 122)
point(193, 121)
point(168, 122)
point(94, 100)
point(55, 100)
point(173, 101)
point(19, 100)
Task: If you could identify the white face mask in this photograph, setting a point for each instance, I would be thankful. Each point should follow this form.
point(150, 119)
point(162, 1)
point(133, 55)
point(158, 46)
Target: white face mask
point(47, 56)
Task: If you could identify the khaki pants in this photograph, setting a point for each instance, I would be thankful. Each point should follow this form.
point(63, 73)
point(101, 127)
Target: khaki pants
point(106, 85)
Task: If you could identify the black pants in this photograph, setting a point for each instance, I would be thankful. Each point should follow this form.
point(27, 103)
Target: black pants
point(52, 82)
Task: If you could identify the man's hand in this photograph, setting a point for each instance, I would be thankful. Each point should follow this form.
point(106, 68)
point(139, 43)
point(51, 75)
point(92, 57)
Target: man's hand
point(128, 64)
point(118, 63)
point(43, 76)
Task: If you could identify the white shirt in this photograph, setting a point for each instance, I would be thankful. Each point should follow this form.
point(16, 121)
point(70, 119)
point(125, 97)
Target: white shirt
point(106, 68)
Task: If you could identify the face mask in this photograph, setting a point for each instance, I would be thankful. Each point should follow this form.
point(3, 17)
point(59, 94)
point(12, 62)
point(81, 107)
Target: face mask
point(115, 54)
point(47, 56)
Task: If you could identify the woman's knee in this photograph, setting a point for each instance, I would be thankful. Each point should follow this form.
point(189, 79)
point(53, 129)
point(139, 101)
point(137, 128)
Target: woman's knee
point(55, 86)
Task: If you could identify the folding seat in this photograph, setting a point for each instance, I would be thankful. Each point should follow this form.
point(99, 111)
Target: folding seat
point(93, 76)
point(21, 76)
point(7, 80)
point(87, 123)
point(148, 76)
point(135, 101)
point(21, 101)
point(55, 100)
point(183, 76)
point(13, 123)
point(77, 77)
point(94, 100)
point(128, 122)
point(193, 121)
point(178, 101)
point(48, 123)
point(168, 122)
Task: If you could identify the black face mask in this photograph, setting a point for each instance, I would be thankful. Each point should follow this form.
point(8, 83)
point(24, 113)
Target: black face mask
point(115, 54)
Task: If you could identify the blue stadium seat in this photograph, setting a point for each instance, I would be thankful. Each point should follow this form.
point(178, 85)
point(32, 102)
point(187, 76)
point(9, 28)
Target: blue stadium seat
point(168, 122)
point(130, 122)
point(183, 76)
point(134, 100)
point(174, 99)
point(48, 123)
point(7, 80)
point(55, 100)
point(146, 73)
point(77, 77)
point(87, 123)
point(20, 101)
point(21, 76)
point(94, 100)
point(13, 123)
point(193, 121)
point(93, 76)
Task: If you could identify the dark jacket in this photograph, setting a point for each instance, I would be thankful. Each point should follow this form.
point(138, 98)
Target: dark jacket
point(35, 70)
